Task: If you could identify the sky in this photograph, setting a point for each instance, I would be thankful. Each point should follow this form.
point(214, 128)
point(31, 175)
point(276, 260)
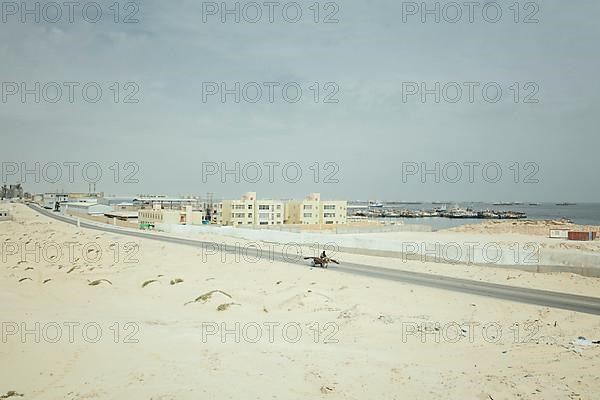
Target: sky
point(378, 114)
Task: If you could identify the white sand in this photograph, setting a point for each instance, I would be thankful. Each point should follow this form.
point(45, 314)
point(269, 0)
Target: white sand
point(370, 359)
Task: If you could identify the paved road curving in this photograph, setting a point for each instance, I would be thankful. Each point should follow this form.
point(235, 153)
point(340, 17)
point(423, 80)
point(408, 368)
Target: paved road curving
point(583, 304)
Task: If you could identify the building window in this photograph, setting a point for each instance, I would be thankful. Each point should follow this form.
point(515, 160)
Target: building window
point(329, 207)
point(307, 215)
point(307, 207)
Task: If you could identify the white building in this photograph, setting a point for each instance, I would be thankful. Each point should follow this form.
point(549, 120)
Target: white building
point(86, 208)
point(50, 199)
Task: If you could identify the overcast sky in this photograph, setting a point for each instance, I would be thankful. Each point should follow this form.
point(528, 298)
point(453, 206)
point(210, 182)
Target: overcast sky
point(369, 61)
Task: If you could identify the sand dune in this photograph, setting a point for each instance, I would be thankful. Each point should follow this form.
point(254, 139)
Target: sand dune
point(268, 329)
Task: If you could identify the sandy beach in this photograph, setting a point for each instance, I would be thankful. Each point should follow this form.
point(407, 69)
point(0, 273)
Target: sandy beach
point(120, 317)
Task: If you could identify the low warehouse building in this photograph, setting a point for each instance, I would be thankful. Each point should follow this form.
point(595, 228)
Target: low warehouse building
point(86, 208)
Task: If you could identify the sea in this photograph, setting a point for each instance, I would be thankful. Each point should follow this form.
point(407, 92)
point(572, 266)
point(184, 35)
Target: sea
point(580, 213)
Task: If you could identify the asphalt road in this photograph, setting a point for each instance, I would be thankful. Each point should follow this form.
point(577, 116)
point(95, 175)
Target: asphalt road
point(583, 304)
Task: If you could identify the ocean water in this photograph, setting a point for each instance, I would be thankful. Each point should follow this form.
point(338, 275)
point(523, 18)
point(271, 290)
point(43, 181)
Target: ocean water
point(581, 213)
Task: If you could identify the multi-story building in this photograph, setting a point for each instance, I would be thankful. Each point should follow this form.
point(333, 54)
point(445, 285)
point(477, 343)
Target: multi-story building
point(212, 212)
point(313, 210)
point(250, 211)
point(158, 215)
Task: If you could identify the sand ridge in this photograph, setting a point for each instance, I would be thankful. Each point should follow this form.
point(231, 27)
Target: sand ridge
point(322, 334)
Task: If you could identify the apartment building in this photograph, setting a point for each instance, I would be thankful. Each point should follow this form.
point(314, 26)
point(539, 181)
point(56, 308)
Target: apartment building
point(313, 210)
point(248, 210)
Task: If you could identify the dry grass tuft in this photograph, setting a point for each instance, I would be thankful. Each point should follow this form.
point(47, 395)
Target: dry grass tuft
point(148, 282)
point(206, 296)
point(99, 281)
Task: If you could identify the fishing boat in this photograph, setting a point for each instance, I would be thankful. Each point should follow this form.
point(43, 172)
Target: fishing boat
point(461, 213)
point(375, 204)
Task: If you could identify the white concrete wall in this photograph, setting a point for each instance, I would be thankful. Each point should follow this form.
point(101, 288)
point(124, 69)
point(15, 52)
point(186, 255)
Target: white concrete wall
point(492, 254)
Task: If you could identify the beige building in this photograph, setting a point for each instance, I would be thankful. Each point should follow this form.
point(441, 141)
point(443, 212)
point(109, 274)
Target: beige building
point(80, 195)
point(158, 215)
point(250, 211)
point(313, 210)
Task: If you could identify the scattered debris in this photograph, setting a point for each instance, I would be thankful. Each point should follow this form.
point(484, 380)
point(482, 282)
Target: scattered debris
point(11, 393)
point(224, 306)
point(148, 282)
point(176, 281)
point(99, 281)
point(326, 389)
point(47, 280)
point(582, 341)
point(28, 268)
point(71, 270)
point(23, 279)
point(386, 319)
